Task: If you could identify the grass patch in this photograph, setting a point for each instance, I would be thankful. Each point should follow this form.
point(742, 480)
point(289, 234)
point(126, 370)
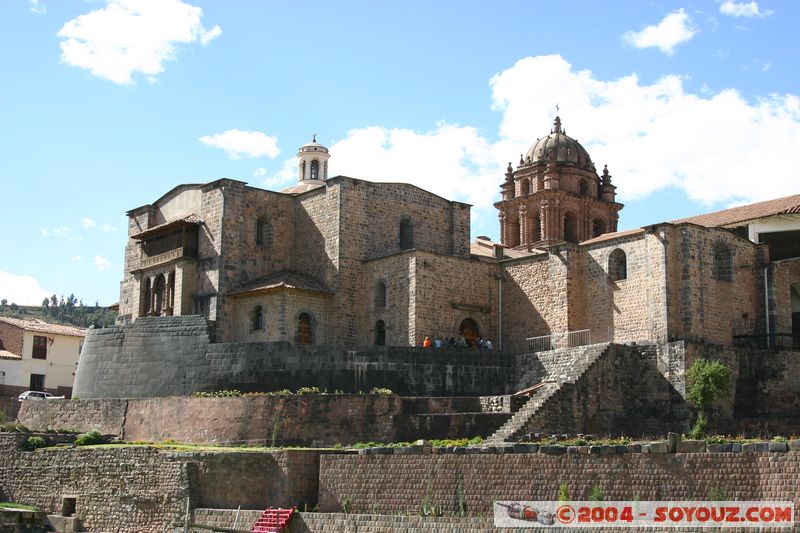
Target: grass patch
point(12, 505)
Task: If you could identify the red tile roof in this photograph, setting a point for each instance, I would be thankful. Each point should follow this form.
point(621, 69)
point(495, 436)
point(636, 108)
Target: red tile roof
point(282, 280)
point(190, 219)
point(735, 215)
point(40, 326)
point(5, 354)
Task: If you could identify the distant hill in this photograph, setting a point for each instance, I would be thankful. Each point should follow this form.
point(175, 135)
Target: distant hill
point(67, 311)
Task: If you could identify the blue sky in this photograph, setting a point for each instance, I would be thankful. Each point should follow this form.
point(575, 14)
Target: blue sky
point(106, 105)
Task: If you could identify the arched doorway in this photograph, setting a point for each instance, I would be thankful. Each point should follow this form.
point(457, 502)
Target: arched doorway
point(380, 333)
point(470, 331)
point(159, 289)
point(304, 329)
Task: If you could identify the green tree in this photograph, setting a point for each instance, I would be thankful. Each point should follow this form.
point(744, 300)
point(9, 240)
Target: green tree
point(711, 381)
point(3, 302)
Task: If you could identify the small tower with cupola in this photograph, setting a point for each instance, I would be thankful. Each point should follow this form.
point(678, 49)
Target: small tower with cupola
point(555, 195)
point(312, 159)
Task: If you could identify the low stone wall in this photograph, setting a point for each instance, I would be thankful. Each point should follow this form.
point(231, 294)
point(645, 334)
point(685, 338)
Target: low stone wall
point(296, 420)
point(9, 407)
point(139, 488)
point(174, 356)
point(307, 522)
point(387, 484)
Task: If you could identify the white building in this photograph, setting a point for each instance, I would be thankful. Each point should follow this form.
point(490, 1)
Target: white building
point(36, 355)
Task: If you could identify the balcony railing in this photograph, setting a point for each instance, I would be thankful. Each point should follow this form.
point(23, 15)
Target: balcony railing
point(567, 339)
point(147, 262)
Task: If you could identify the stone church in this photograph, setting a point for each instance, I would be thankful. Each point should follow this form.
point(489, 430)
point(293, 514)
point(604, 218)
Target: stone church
point(347, 262)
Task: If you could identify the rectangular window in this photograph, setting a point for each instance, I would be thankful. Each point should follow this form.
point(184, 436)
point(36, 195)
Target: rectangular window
point(37, 382)
point(39, 347)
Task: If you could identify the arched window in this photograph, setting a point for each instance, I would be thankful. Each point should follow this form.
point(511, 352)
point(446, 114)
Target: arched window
point(617, 265)
point(406, 234)
point(722, 269)
point(257, 320)
point(513, 233)
point(583, 188)
point(170, 297)
point(524, 187)
point(570, 228)
point(304, 329)
point(598, 227)
point(470, 331)
point(147, 298)
point(380, 333)
point(380, 294)
point(158, 290)
point(263, 231)
point(315, 170)
point(535, 233)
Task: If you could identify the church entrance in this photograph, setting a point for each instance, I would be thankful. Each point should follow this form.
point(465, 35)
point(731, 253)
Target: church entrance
point(470, 331)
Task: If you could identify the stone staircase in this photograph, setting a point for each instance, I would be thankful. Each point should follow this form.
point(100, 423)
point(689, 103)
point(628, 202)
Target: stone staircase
point(583, 358)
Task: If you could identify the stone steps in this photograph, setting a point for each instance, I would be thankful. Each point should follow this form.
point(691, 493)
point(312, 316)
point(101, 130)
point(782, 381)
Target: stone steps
point(549, 388)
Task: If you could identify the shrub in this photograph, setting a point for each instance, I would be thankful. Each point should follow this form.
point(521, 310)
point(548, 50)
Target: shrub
point(34, 442)
point(381, 391)
point(308, 390)
point(595, 494)
point(717, 494)
point(711, 381)
point(563, 492)
point(90, 438)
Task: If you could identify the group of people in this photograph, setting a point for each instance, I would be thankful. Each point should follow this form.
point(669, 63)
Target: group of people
point(461, 342)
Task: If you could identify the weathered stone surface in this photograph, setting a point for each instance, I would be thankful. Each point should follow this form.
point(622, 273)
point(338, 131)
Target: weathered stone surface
point(691, 446)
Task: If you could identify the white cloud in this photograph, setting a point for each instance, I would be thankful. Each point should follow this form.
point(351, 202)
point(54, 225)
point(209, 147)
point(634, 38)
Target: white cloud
point(712, 145)
point(88, 223)
point(238, 143)
point(39, 9)
point(128, 36)
point(101, 263)
point(22, 290)
point(450, 160)
point(76, 259)
point(743, 9)
point(674, 29)
point(260, 171)
point(54, 232)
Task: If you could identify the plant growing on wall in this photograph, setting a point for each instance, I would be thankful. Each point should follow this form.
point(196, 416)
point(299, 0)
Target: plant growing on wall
point(711, 381)
point(563, 492)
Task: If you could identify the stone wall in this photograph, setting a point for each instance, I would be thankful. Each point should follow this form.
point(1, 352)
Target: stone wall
point(307, 420)
point(535, 298)
point(784, 274)
point(633, 309)
point(621, 392)
point(704, 308)
point(11, 338)
point(169, 356)
point(139, 488)
point(308, 522)
point(399, 483)
point(765, 390)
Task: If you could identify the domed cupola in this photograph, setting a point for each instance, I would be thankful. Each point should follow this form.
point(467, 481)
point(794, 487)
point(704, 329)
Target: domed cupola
point(555, 195)
point(313, 161)
point(559, 147)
